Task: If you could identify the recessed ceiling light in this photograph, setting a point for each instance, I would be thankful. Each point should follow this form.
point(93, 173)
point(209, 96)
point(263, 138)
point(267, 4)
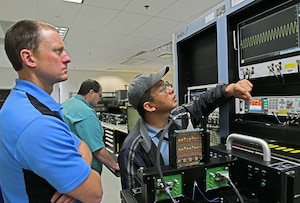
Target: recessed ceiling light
point(75, 1)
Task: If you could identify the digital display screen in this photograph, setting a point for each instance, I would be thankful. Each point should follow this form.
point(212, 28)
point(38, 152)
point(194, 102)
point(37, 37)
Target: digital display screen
point(255, 106)
point(271, 35)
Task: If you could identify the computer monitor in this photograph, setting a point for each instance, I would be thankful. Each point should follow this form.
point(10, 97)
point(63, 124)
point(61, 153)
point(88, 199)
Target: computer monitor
point(271, 35)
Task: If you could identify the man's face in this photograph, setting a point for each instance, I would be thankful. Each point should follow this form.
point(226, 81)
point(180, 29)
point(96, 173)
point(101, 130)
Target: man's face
point(163, 96)
point(95, 97)
point(51, 58)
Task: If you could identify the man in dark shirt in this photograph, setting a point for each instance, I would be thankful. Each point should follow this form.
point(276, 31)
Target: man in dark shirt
point(156, 102)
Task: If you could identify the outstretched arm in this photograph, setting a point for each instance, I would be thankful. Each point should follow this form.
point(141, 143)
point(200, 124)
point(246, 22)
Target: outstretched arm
point(242, 89)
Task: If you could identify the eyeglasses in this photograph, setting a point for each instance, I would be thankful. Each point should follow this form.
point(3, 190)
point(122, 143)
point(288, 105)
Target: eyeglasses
point(163, 88)
point(99, 93)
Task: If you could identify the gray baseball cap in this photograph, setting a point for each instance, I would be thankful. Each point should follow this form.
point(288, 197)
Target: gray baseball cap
point(141, 83)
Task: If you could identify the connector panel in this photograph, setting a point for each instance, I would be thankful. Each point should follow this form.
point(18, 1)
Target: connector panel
point(217, 177)
point(174, 182)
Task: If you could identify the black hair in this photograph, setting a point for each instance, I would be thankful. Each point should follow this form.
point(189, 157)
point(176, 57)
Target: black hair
point(140, 106)
point(88, 85)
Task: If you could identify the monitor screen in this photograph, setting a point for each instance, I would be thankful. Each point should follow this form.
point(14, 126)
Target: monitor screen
point(271, 35)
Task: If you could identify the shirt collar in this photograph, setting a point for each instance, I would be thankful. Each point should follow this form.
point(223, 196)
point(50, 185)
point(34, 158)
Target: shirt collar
point(38, 93)
point(82, 99)
point(153, 131)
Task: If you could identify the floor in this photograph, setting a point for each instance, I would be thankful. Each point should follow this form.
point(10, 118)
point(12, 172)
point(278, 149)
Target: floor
point(111, 187)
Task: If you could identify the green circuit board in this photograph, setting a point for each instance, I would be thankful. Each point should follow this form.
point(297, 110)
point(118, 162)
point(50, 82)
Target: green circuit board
point(216, 177)
point(175, 184)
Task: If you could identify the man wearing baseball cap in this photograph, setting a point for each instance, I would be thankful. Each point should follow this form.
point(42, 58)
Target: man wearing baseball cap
point(156, 102)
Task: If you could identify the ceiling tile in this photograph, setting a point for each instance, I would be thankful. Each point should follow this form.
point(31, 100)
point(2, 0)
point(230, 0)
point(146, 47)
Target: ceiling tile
point(125, 23)
point(153, 27)
point(94, 18)
point(14, 10)
point(77, 36)
point(112, 4)
point(104, 33)
point(183, 10)
point(155, 6)
point(54, 12)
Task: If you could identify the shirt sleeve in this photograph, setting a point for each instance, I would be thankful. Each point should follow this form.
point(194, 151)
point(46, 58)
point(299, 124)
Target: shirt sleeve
point(49, 149)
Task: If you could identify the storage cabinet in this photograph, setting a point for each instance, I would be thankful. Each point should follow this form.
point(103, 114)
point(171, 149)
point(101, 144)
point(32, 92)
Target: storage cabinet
point(114, 136)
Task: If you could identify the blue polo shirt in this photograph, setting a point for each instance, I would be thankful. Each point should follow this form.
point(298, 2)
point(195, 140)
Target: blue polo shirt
point(164, 148)
point(38, 152)
point(84, 122)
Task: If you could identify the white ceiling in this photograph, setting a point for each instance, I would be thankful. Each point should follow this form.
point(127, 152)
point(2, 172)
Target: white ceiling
point(103, 34)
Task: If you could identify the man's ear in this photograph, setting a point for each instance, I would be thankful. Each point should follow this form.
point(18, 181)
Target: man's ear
point(27, 57)
point(148, 106)
point(91, 91)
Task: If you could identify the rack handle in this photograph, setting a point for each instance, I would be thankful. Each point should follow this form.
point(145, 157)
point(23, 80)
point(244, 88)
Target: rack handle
point(261, 142)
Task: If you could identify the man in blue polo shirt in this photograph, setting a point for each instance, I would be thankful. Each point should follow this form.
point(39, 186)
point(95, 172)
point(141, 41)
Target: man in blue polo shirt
point(41, 159)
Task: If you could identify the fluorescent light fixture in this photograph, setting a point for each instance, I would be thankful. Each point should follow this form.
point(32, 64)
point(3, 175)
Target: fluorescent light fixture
point(62, 31)
point(166, 56)
point(133, 61)
point(164, 49)
point(75, 1)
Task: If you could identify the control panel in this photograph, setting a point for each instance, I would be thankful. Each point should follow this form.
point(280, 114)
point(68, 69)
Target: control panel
point(276, 68)
point(269, 105)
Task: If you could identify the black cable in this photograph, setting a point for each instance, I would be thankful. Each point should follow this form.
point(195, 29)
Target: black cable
point(158, 165)
point(225, 174)
point(236, 190)
point(281, 75)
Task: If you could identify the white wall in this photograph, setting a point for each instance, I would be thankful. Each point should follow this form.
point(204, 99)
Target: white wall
point(7, 78)
point(110, 81)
